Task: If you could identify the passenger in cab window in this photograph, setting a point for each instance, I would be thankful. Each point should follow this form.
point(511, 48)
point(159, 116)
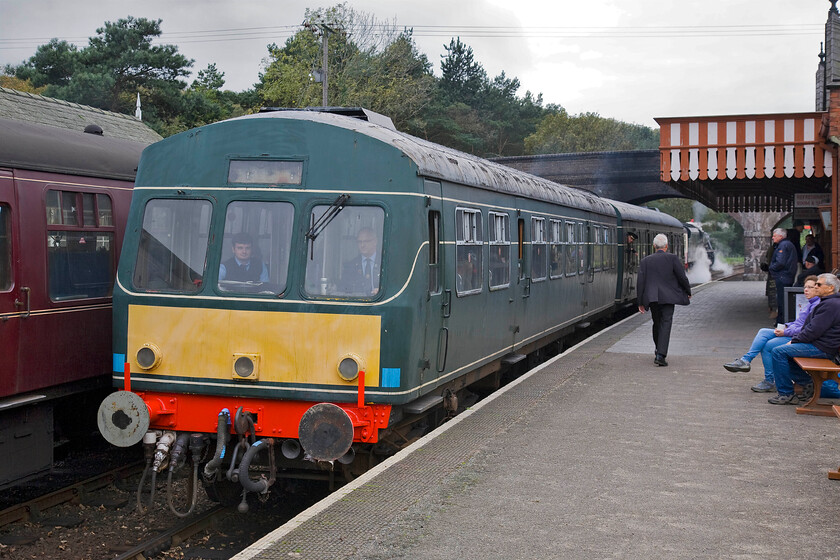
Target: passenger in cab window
point(360, 276)
point(243, 266)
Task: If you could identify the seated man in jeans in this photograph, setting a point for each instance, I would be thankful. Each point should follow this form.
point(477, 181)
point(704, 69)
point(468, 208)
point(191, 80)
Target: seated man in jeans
point(819, 338)
point(768, 339)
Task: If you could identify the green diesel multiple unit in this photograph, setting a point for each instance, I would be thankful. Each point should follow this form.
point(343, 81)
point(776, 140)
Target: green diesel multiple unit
point(319, 280)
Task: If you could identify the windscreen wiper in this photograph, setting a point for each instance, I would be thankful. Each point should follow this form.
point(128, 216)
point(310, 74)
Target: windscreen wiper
point(321, 224)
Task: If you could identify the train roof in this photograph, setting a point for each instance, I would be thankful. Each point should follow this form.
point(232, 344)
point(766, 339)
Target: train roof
point(38, 109)
point(439, 162)
point(640, 213)
point(46, 148)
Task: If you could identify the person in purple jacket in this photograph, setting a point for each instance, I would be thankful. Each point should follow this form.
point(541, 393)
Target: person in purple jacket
point(768, 339)
point(819, 338)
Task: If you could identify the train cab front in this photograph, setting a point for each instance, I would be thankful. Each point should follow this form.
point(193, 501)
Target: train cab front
point(206, 422)
point(246, 345)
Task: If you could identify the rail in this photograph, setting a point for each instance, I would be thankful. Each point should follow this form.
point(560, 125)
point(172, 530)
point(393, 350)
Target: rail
point(28, 511)
point(174, 536)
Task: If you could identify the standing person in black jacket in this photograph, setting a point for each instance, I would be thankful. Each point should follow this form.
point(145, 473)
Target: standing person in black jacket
point(662, 283)
point(783, 268)
point(819, 338)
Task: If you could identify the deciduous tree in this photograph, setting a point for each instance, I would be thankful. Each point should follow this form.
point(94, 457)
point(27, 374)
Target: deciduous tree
point(559, 132)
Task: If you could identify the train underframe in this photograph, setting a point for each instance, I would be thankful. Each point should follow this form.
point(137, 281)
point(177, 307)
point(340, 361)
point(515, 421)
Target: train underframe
point(330, 442)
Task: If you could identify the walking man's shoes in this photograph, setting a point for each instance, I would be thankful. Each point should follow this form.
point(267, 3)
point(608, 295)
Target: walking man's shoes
point(738, 365)
point(660, 361)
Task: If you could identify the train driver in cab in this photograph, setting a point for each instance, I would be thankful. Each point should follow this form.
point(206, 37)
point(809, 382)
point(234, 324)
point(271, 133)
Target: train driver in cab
point(243, 266)
point(360, 275)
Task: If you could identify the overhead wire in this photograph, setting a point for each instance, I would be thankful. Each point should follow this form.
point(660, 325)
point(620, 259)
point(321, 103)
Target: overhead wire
point(468, 31)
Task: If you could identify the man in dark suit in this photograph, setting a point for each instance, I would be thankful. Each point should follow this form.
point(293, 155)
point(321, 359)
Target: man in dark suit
point(360, 276)
point(661, 284)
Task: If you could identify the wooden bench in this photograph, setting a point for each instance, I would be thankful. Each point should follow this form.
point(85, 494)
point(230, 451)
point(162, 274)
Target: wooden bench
point(820, 369)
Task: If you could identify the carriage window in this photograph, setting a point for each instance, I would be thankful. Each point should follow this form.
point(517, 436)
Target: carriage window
point(520, 253)
point(81, 263)
point(555, 254)
point(255, 248)
point(88, 210)
point(571, 249)
point(345, 259)
point(434, 252)
point(538, 257)
point(104, 211)
point(468, 243)
point(264, 172)
point(62, 207)
point(173, 246)
point(581, 248)
point(5, 247)
point(499, 250)
point(597, 248)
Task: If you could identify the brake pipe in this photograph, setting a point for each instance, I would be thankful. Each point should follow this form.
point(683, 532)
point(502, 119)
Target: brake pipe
point(222, 436)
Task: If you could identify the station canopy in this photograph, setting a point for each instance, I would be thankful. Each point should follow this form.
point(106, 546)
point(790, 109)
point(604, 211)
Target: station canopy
point(746, 163)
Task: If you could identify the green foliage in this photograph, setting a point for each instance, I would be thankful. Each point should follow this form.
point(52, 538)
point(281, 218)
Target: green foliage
point(560, 132)
point(124, 51)
point(52, 64)
point(372, 64)
point(118, 63)
point(204, 102)
point(396, 82)
point(726, 233)
point(287, 81)
point(473, 114)
point(680, 208)
point(463, 78)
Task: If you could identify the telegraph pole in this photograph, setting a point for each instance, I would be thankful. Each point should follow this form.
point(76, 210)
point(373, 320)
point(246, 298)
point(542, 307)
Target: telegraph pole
point(325, 31)
point(322, 75)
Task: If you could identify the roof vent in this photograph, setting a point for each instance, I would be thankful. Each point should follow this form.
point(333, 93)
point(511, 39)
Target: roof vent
point(355, 112)
point(93, 129)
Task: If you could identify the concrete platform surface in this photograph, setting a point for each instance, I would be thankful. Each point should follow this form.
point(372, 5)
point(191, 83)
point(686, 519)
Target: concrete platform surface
point(601, 454)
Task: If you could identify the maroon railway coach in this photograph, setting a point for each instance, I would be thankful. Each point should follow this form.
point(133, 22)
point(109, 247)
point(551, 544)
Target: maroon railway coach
point(64, 198)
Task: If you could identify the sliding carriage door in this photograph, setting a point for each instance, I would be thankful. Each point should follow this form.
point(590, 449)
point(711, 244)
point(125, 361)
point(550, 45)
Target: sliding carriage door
point(439, 295)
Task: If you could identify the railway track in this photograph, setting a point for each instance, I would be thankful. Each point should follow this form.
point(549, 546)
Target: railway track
point(118, 531)
point(176, 535)
point(32, 510)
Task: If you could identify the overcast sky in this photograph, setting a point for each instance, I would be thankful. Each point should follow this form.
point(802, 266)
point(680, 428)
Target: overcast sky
point(631, 60)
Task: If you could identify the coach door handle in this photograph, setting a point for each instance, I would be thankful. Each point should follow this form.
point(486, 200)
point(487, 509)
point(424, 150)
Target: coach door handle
point(19, 303)
point(446, 306)
point(443, 349)
point(526, 292)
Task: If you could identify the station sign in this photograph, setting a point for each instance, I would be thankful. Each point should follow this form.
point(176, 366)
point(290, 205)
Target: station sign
point(811, 200)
